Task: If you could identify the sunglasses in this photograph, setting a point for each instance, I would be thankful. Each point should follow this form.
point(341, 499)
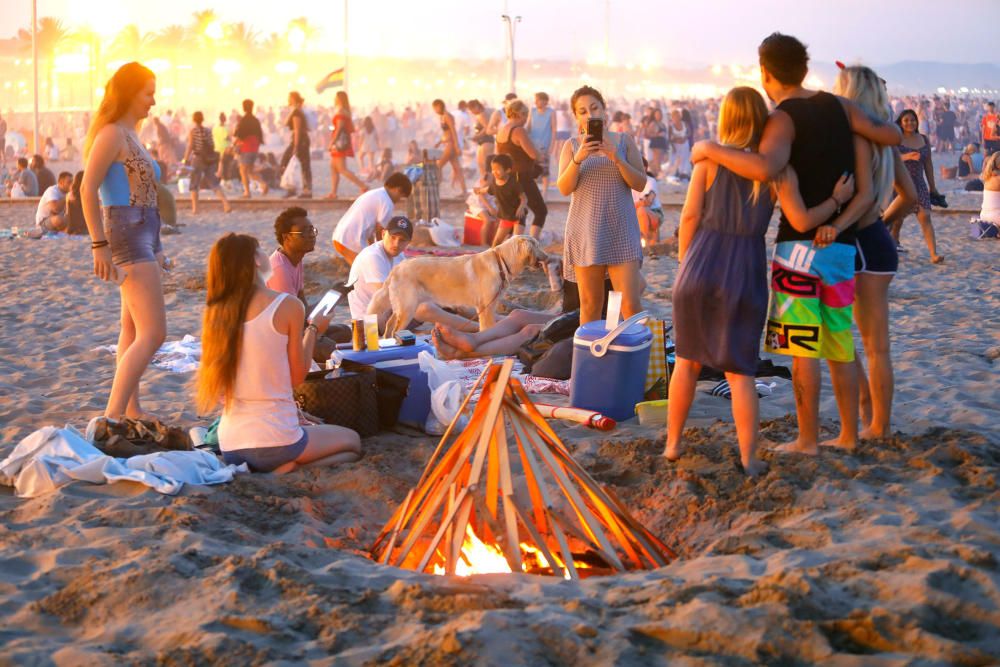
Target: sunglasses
point(312, 231)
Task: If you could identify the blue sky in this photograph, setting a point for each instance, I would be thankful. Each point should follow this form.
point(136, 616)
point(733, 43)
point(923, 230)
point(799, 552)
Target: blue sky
point(658, 32)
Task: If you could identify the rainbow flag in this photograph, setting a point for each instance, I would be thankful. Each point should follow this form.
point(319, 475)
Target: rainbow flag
point(334, 79)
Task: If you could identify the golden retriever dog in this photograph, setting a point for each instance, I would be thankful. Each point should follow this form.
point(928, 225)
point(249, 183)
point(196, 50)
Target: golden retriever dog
point(475, 281)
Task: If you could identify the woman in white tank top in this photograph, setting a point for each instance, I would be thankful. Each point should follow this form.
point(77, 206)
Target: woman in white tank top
point(991, 190)
point(253, 352)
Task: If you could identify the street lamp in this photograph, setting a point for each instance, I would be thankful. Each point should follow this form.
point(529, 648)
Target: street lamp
point(511, 63)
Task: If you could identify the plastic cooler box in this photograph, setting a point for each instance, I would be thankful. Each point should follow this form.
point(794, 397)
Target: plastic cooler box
point(402, 360)
point(609, 367)
point(477, 231)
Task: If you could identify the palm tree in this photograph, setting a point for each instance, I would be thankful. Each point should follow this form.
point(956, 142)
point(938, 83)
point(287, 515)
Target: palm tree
point(242, 39)
point(51, 33)
point(172, 40)
point(130, 42)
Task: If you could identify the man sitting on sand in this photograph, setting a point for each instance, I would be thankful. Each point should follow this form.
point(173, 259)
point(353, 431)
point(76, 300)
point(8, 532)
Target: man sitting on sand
point(52, 215)
point(371, 268)
point(296, 238)
point(366, 216)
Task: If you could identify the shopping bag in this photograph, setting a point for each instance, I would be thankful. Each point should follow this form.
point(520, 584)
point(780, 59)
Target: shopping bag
point(291, 178)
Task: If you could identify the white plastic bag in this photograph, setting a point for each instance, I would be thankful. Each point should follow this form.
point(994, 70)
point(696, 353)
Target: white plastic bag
point(446, 393)
point(291, 178)
point(444, 235)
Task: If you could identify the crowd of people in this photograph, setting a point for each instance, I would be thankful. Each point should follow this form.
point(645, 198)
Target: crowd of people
point(845, 169)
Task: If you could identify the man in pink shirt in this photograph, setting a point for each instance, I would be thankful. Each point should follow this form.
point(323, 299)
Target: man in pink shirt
point(296, 237)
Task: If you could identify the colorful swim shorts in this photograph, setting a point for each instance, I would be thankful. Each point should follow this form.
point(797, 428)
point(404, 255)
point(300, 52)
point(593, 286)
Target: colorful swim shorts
point(812, 299)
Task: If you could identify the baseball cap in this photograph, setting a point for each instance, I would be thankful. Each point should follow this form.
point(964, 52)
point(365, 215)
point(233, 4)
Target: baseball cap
point(400, 224)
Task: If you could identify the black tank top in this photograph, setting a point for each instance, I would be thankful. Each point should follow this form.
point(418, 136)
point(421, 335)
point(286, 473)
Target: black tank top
point(823, 150)
point(523, 164)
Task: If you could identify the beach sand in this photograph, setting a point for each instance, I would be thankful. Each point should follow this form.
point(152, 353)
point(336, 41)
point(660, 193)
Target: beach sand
point(887, 555)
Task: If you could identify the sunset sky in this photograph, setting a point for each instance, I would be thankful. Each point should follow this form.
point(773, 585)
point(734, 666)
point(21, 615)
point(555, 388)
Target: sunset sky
point(652, 32)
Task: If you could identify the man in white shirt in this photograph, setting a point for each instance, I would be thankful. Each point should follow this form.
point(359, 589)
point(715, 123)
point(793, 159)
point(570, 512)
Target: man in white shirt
point(52, 215)
point(372, 265)
point(371, 268)
point(367, 215)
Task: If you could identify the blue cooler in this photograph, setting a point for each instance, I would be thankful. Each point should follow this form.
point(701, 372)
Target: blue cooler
point(402, 360)
point(609, 367)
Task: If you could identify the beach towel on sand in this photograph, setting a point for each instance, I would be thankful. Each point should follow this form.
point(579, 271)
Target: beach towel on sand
point(53, 457)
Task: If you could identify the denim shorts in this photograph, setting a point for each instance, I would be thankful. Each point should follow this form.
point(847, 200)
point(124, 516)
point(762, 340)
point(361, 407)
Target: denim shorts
point(266, 459)
point(248, 159)
point(133, 233)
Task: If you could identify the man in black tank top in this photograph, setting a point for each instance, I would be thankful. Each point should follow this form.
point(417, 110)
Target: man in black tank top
point(812, 278)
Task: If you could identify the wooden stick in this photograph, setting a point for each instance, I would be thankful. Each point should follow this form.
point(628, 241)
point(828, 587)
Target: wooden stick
point(567, 525)
point(564, 548)
point(493, 468)
point(459, 502)
point(507, 487)
point(395, 530)
point(511, 549)
point(444, 438)
point(539, 492)
point(589, 522)
point(461, 523)
point(489, 421)
point(557, 569)
point(449, 564)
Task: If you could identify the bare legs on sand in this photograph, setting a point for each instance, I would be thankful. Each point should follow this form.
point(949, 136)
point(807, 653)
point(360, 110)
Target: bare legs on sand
point(143, 330)
point(746, 413)
point(806, 384)
point(327, 445)
point(871, 312)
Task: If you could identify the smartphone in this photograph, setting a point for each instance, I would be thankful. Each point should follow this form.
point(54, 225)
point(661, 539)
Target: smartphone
point(325, 304)
point(595, 129)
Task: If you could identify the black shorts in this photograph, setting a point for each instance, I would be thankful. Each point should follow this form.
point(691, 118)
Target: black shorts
point(876, 250)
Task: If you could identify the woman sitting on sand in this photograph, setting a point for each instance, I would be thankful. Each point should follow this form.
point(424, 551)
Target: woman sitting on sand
point(720, 295)
point(877, 169)
point(244, 325)
point(990, 211)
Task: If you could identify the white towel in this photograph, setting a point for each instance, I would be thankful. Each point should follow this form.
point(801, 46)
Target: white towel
point(53, 457)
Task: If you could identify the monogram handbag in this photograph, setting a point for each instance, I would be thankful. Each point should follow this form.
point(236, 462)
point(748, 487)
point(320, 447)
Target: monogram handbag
point(347, 399)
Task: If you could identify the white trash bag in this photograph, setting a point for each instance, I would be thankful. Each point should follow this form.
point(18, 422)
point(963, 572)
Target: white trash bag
point(291, 178)
point(446, 393)
point(444, 235)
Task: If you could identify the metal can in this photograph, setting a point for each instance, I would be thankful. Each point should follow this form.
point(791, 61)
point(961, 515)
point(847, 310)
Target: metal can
point(358, 335)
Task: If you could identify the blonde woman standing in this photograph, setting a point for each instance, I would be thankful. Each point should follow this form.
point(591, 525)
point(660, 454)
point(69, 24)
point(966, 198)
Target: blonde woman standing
point(513, 140)
point(119, 198)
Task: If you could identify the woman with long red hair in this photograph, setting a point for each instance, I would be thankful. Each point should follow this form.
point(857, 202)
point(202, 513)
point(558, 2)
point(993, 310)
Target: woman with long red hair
point(245, 328)
point(119, 197)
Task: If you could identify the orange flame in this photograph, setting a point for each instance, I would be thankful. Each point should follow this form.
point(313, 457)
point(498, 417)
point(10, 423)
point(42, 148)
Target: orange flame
point(478, 557)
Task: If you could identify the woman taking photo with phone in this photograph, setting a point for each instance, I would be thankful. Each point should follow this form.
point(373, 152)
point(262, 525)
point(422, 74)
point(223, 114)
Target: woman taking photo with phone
point(120, 208)
point(602, 230)
point(244, 328)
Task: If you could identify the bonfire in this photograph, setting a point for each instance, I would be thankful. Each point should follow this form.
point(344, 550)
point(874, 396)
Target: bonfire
point(506, 495)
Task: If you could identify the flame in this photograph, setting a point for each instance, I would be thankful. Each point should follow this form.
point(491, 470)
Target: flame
point(477, 557)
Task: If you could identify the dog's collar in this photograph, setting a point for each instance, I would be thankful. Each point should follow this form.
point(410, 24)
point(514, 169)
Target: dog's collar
point(505, 273)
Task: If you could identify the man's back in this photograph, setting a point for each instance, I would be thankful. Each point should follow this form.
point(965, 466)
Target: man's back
point(822, 151)
point(353, 229)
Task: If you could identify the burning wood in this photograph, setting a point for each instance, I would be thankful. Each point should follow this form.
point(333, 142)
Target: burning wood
point(507, 496)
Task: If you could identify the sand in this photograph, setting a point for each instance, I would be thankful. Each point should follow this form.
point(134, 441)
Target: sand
point(888, 555)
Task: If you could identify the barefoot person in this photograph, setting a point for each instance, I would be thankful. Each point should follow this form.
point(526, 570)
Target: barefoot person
point(916, 153)
point(720, 295)
point(451, 152)
point(502, 339)
point(602, 230)
point(878, 169)
point(253, 352)
point(812, 288)
point(120, 208)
